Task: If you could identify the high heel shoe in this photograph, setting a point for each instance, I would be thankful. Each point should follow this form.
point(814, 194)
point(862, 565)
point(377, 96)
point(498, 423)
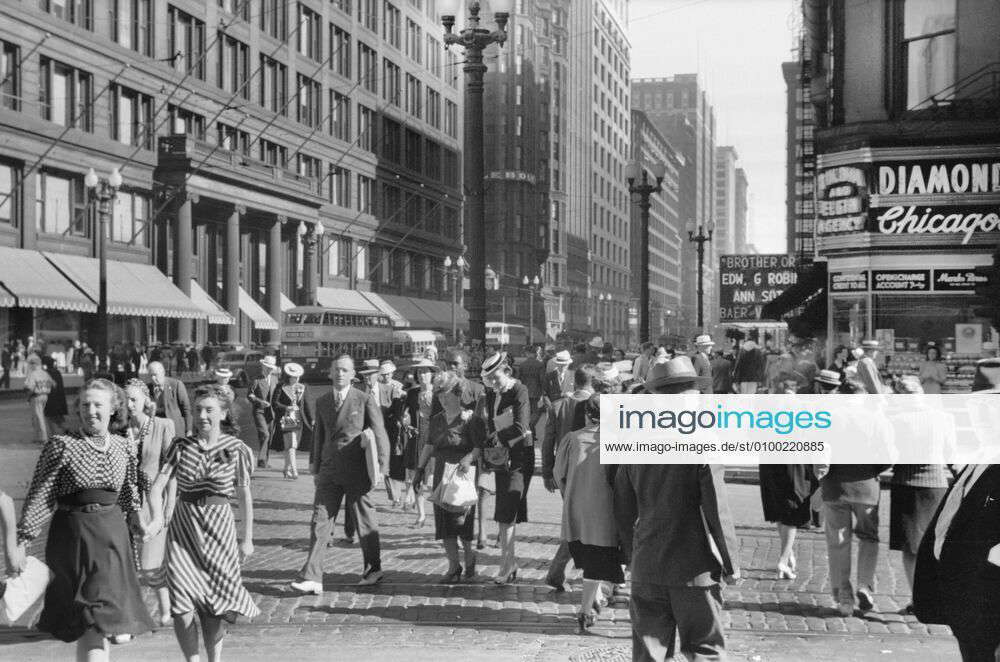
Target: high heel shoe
point(784, 572)
point(419, 524)
point(585, 621)
point(453, 576)
point(510, 578)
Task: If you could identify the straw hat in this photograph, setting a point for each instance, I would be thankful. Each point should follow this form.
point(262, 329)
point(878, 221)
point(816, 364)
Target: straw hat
point(828, 377)
point(223, 373)
point(369, 367)
point(387, 367)
point(677, 371)
point(704, 339)
point(293, 370)
point(869, 344)
point(424, 364)
point(562, 357)
point(493, 363)
point(269, 362)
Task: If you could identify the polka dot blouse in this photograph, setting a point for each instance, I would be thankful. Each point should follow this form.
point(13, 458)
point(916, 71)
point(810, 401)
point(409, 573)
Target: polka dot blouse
point(68, 464)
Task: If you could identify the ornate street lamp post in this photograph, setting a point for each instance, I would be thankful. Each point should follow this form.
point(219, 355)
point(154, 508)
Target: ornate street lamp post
point(644, 189)
point(703, 236)
point(105, 191)
point(532, 285)
point(455, 272)
point(474, 40)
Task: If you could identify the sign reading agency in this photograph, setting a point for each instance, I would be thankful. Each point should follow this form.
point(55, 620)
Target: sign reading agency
point(747, 282)
point(842, 197)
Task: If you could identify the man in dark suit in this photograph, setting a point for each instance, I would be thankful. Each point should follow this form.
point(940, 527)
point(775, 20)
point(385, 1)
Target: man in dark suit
point(259, 395)
point(531, 373)
point(171, 399)
point(341, 469)
point(559, 382)
point(701, 359)
point(676, 567)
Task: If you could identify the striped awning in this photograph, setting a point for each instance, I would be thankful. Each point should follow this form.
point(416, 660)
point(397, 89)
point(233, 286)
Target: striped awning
point(28, 280)
point(417, 313)
point(259, 316)
point(134, 289)
point(346, 300)
point(216, 313)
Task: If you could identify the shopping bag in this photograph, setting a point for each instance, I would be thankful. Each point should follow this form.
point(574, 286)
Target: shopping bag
point(25, 589)
point(457, 491)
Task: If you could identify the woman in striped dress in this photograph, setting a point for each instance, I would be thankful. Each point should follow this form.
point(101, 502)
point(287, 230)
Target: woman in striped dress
point(203, 556)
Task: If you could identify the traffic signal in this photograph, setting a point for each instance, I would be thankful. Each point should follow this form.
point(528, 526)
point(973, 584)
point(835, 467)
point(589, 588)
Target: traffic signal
point(988, 288)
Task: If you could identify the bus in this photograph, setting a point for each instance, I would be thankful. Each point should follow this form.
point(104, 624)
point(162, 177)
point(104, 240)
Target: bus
point(513, 336)
point(313, 336)
point(411, 344)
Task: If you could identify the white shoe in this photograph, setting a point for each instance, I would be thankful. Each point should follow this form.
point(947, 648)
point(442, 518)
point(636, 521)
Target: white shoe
point(371, 577)
point(306, 586)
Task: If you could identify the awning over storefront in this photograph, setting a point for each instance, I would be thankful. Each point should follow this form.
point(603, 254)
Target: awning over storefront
point(398, 317)
point(216, 313)
point(346, 300)
point(134, 289)
point(809, 283)
point(30, 281)
point(250, 308)
point(416, 313)
point(440, 313)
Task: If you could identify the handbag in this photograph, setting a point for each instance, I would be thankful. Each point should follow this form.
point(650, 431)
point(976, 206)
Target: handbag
point(291, 422)
point(496, 457)
point(26, 589)
point(456, 492)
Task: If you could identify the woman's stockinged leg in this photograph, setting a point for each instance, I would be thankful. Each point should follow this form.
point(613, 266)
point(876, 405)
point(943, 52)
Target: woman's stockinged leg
point(92, 647)
point(186, 630)
point(213, 629)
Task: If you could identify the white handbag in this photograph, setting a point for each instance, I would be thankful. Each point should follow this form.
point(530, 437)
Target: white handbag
point(457, 490)
point(25, 589)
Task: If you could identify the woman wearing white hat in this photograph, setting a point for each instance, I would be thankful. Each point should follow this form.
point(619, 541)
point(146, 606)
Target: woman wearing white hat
point(419, 400)
point(293, 415)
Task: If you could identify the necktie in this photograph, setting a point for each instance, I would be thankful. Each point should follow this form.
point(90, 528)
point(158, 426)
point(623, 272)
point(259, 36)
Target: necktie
point(337, 399)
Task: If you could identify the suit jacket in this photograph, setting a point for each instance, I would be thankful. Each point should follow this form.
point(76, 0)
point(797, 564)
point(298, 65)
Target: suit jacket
point(515, 397)
point(962, 588)
point(531, 373)
point(675, 524)
point(560, 422)
point(337, 457)
point(703, 368)
point(750, 364)
point(172, 402)
point(261, 391)
point(554, 388)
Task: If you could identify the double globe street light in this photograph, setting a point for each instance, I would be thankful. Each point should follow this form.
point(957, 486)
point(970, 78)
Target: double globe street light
point(104, 191)
point(701, 235)
point(639, 184)
point(454, 268)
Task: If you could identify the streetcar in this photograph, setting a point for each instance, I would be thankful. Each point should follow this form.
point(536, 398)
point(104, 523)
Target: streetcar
point(313, 336)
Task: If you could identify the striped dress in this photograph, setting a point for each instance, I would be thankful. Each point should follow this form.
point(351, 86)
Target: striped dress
point(203, 565)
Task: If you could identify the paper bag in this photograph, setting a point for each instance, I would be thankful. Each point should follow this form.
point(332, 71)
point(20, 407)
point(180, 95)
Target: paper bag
point(371, 456)
point(25, 589)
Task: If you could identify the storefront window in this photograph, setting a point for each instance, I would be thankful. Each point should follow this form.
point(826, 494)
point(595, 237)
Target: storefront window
point(849, 315)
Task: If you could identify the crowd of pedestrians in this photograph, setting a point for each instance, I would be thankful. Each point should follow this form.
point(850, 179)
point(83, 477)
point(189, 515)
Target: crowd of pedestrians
point(149, 473)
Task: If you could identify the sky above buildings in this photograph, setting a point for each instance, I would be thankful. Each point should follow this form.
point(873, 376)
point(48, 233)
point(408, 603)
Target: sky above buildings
point(737, 47)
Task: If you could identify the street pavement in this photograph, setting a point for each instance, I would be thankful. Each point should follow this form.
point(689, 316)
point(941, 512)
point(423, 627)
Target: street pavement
point(411, 616)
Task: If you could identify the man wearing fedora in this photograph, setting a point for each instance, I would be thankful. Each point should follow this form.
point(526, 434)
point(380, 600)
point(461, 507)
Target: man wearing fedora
point(391, 399)
point(259, 394)
point(677, 567)
point(339, 464)
point(559, 381)
point(868, 369)
point(702, 360)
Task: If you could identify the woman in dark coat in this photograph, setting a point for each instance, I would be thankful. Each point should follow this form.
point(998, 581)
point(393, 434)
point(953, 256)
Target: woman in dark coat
point(293, 416)
point(55, 407)
point(419, 405)
point(508, 417)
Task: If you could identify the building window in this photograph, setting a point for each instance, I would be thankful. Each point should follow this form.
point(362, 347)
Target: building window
point(339, 257)
point(340, 186)
point(434, 49)
point(234, 65)
point(366, 128)
point(132, 117)
point(186, 122)
point(416, 269)
point(414, 42)
point(186, 39)
point(133, 25)
point(450, 168)
point(434, 108)
point(273, 85)
point(414, 99)
point(77, 12)
point(10, 177)
point(310, 32)
point(392, 140)
point(391, 24)
point(10, 70)
point(340, 51)
point(273, 18)
point(432, 164)
point(342, 5)
point(366, 189)
point(60, 204)
point(361, 261)
point(239, 8)
point(273, 154)
point(307, 166)
point(451, 227)
point(129, 217)
point(927, 49)
point(391, 81)
point(340, 116)
point(66, 95)
point(232, 139)
point(368, 14)
point(414, 151)
point(310, 103)
point(451, 118)
point(367, 67)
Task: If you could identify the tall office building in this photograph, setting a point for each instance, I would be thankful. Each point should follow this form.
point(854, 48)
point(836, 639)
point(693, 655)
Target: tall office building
point(742, 211)
point(725, 199)
point(241, 129)
point(648, 148)
point(679, 108)
point(800, 168)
